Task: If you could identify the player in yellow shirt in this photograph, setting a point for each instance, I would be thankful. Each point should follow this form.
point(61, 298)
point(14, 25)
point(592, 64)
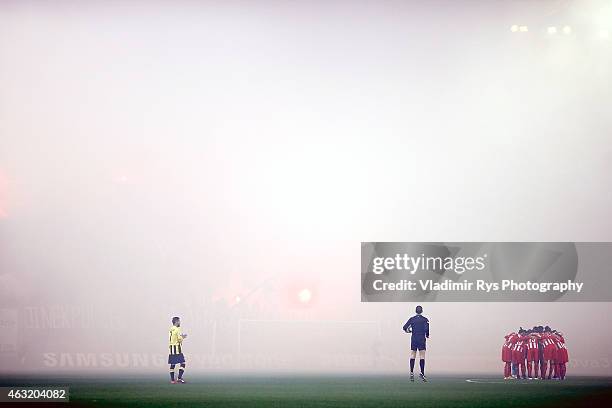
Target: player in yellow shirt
point(176, 350)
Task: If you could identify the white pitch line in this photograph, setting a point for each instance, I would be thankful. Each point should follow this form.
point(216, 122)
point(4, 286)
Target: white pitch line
point(483, 381)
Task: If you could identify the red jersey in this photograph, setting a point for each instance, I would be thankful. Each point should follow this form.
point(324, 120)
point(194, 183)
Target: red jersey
point(521, 344)
point(561, 354)
point(532, 341)
point(558, 341)
point(548, 340)
point(510, 340)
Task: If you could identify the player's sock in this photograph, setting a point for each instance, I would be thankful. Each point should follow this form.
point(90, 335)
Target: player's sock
point(181, 371)
point(529, 368)
point(412, 365)
point(172, 372)
point(563, 369)
point(543, 370)
point(422, 365)
point(550, 369)
point(507, 370)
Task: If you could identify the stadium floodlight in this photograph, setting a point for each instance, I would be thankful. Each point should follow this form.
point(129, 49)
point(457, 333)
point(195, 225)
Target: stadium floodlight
point(305, 295)
point(551, 30)
point(523, 29)
point(237, 299)
point(604, 34)
point(514, 28)
point(567, 30)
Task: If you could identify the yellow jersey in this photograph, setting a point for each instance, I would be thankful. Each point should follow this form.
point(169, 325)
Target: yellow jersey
point(176, 338)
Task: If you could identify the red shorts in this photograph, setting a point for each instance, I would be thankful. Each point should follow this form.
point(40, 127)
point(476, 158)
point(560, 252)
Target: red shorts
point(549, 352)
point(561, 356)
point(506, 355)
point(533, 354)
point(518, 356)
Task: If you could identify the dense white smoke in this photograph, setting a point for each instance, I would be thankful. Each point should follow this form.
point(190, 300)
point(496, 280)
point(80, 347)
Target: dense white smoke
point(222, 161)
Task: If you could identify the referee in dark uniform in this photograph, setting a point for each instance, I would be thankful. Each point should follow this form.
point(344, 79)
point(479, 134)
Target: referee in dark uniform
point(418, 325)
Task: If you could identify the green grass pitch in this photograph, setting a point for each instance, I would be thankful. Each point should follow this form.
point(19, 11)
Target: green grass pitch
point(328, 391)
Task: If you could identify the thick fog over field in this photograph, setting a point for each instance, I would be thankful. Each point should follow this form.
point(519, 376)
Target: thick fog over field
point(222, 161)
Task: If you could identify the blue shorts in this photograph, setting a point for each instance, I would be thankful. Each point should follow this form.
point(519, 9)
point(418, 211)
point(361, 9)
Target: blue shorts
point(176, 358)
point(417, 342)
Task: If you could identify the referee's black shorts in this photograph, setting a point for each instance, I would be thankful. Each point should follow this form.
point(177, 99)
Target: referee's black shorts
point(417, 342)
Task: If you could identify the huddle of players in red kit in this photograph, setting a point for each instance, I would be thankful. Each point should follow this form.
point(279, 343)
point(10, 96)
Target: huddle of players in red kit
point(536, 350)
